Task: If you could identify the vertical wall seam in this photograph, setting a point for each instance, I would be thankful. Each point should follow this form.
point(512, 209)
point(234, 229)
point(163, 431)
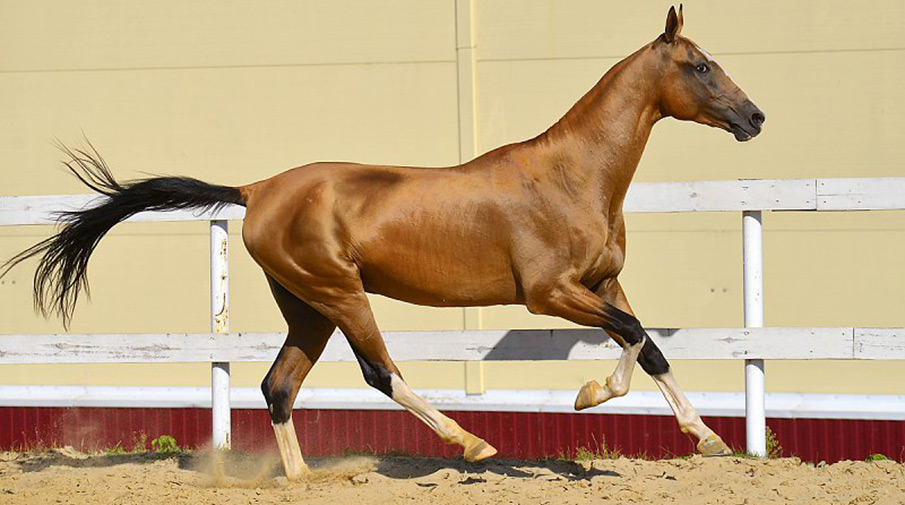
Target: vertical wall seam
point(466, 87)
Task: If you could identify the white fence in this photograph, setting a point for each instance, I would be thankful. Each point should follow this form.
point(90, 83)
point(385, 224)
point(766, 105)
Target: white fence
point(752, 343)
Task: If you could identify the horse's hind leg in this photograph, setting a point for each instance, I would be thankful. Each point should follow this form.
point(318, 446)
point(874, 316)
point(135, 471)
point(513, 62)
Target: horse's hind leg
point(308, 334)
point(352, 313)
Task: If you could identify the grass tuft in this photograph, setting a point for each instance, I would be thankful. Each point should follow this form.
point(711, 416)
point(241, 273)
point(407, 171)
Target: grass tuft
point(601, 451)
point(116, 449)
point(165, 445)
point(774, 450)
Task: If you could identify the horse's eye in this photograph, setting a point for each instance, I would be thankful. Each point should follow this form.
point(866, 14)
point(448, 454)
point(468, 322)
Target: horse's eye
point(702, 68)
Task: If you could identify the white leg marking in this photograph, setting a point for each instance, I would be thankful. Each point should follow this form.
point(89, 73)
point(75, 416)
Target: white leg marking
point(688, 418)
point(709, 443)
point(617, 384)
point(450, 431)
point(290, 452)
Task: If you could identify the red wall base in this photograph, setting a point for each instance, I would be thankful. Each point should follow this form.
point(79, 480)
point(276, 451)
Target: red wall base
point(515, 434)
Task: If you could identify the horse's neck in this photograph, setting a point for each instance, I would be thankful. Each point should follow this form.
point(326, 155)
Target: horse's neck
point(606, 131)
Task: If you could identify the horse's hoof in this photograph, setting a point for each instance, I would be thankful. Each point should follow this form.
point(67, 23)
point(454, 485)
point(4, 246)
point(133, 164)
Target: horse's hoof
point(479, 451)
point(587, 395)
point(713, 445)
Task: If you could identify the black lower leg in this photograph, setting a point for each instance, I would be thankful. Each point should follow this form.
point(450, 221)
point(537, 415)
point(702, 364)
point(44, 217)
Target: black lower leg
point(651, 359)
point(623, 324)
point(278, 394)
point(629, 328)
point(375, 374)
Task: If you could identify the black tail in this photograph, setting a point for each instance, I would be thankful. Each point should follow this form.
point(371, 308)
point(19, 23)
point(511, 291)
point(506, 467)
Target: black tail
point(62, 271)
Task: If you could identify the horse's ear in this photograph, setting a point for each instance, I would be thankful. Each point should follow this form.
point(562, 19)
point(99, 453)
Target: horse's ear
point(674, 24)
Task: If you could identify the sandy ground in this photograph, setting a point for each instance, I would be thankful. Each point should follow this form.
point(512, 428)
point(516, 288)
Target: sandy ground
point(66, 476)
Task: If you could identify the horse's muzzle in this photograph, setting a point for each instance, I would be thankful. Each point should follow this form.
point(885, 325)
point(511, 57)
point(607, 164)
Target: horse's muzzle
point(748, 123)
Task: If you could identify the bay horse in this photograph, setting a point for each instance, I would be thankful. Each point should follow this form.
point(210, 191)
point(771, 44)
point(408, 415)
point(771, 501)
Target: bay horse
point(537, 223)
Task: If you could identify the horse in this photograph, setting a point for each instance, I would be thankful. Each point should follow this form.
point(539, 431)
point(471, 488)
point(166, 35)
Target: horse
point(537, 223)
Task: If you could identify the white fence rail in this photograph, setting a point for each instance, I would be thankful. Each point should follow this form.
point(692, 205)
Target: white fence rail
point(753, 343)
point(844, 343)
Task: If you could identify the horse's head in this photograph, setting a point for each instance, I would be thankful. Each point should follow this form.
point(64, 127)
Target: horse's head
point(695, 87)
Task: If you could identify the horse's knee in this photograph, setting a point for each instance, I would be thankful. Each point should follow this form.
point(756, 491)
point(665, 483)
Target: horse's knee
point(279, 398)
point(652, 360)
point(624, 324)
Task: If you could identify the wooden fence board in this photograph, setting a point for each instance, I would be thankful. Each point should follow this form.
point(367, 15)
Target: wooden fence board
point(472, 345)
point(879, 343)
point(885, 193)
point(707, 196)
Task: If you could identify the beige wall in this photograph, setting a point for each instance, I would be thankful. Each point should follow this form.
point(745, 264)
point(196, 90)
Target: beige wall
point(233, 92)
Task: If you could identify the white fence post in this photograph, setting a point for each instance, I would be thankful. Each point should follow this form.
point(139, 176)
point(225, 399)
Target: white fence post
point(753, 252)
point(220, 410)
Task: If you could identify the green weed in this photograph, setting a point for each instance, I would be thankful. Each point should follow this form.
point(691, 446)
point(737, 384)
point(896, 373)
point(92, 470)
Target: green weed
point(601, 451)
point(164, 445)
point(116, 449)
point(774, 450)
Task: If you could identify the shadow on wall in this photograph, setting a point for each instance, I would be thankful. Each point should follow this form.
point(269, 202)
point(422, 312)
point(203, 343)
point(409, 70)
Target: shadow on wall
point(528, 345)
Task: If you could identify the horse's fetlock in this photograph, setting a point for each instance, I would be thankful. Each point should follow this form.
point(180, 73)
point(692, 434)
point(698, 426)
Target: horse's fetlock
point(617, 388)
point(687, 422)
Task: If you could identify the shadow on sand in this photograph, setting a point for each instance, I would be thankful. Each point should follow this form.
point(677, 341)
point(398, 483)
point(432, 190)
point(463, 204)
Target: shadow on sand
point(415, 467)
point(242, 465)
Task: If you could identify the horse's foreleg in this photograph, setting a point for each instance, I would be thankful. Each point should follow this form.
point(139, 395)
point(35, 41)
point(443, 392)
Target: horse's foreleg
point(578, 304)
point(357, 323)
point(610, 310)
point(308, 334)
point(654, 364)
point(709, 443)
point(617, 384)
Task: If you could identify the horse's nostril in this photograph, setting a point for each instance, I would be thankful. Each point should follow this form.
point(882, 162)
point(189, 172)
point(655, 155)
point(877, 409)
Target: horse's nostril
point(757, 119)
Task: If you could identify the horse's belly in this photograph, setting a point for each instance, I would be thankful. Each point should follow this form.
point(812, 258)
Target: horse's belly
point(442, 280)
